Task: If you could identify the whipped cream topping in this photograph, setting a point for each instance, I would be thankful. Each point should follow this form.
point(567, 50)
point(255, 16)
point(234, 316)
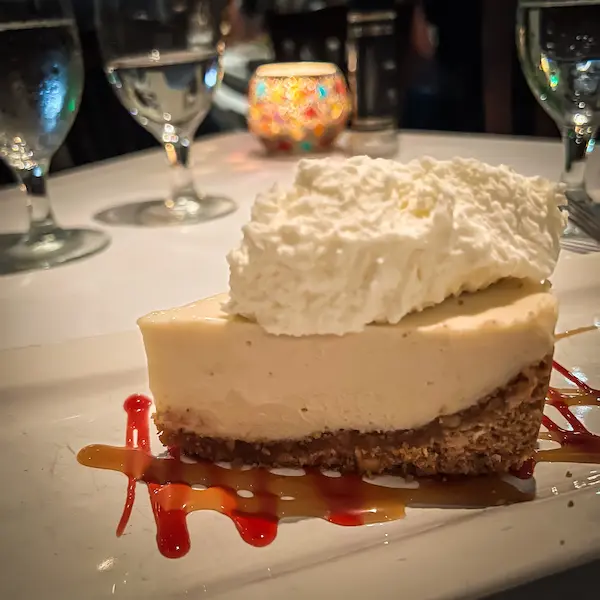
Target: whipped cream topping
point(363, 240)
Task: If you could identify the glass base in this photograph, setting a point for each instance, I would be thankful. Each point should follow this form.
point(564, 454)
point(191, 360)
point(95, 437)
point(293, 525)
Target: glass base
point(376, 144)
point(19, 253)
point(160, 213)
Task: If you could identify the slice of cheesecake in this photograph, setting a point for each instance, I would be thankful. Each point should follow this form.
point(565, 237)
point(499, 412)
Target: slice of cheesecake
point(380, 315)
point(457, 388)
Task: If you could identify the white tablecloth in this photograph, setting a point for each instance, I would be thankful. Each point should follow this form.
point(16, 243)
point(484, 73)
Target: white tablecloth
point(152, 268)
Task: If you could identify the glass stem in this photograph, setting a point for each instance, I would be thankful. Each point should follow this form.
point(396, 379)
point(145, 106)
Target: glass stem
point(41, 217)
point(182, 183)
point(578, 144)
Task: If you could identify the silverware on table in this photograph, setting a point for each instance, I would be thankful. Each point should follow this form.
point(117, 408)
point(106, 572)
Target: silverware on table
point(584, 213)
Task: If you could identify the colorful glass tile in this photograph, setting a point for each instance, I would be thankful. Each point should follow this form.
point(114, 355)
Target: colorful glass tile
point(261, 88)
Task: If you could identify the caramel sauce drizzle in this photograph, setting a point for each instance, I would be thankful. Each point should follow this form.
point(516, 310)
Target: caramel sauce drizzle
point(577, 331)
point(257, 499)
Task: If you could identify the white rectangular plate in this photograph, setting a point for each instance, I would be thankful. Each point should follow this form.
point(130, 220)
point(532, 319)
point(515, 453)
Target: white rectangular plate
point(58, 519)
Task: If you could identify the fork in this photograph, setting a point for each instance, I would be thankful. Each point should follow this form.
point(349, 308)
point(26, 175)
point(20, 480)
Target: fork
point(583, 212)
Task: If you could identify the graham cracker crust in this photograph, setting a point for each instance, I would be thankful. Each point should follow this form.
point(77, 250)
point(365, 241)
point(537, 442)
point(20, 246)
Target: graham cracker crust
point(494, 436)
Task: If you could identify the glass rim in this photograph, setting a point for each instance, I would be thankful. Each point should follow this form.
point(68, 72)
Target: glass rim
point(286, 70)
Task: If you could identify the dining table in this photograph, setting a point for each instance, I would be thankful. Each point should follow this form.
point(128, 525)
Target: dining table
point(149, 268)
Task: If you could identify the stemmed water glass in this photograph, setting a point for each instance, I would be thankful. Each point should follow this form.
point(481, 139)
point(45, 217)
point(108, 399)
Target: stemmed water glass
point(559, 49)
point(41, 79)
point(163, 60)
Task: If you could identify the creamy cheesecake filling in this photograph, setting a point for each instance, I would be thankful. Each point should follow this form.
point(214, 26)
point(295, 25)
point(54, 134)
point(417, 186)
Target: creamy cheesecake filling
point(225, 377)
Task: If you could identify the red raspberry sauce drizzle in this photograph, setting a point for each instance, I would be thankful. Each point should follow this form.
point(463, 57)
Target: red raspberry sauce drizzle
point(578, 444)
point(346, 500)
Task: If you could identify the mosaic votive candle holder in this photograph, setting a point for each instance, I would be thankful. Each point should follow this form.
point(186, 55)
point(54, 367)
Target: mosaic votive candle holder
point(298, 107)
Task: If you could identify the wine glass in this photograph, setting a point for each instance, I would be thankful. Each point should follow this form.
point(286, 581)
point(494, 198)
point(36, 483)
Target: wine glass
point(559, 49)
point(163, 60)
point(41, 79)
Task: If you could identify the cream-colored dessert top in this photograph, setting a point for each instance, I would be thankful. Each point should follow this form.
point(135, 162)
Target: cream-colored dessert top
point(224, 376)
point(361, 240)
